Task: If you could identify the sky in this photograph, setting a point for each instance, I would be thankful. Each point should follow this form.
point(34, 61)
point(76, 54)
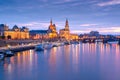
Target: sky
point(83, 15)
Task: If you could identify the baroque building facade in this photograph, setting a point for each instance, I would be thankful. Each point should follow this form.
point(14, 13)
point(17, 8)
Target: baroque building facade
point(52, 32)
point(65, 33)
point(14, 33)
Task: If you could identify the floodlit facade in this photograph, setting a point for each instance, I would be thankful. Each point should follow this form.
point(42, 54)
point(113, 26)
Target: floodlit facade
point(52, 33)
point(38, 34)
point(65, 33)
point(14, 33)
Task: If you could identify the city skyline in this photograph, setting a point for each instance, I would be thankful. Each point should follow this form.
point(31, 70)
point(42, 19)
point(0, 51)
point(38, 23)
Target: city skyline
point(83, 16)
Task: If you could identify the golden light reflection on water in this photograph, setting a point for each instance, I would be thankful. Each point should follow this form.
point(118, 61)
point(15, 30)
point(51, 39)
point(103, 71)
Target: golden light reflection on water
point(75, 54)
point(52, 59)
point(66, 53)
point(117, 59)
point(70, 58)
point(22, 59)
point(75, 57)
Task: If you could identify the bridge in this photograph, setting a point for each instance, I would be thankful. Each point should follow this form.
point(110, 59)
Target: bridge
point(104, 40)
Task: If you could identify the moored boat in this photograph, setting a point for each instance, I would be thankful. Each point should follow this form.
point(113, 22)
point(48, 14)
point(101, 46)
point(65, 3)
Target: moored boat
point(74, 42)
point(2, 55)
point(39, 47)
point(9, 53)
point(61, 44)
point(67, 43)
point(113, 42)
point(55, 44)
point(48, 45)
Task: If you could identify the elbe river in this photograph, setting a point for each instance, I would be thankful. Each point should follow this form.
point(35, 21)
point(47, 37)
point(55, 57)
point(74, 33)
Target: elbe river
point(90, 61)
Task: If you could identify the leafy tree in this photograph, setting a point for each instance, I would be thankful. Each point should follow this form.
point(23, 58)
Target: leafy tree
point(3, 37)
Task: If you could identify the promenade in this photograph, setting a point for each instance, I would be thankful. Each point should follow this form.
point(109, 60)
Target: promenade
point(18, 45)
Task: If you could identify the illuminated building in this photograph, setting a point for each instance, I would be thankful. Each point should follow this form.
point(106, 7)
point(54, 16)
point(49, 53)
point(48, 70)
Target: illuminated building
point(52, 33)
point(94, 33)
point(74, 36)
point(65, 33)
point(14, 33)
point(38, 34)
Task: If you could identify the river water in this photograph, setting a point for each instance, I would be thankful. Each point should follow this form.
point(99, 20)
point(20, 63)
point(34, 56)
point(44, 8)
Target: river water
point(95, 61)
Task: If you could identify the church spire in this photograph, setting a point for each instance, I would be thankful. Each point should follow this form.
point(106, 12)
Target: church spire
point(66, 21)
point(51, 22)
point(67, 25)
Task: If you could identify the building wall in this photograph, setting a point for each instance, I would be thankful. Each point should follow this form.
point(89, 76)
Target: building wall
point(65, 34)
point(39, 36)
point(16, 34)
point(74, 36)
point(52, 35)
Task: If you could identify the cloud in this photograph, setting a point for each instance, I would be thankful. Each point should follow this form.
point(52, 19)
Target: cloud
point(87, 25)
point(80, 31)
point(40, 25)
point(34, 25)
point(108, 3)
point(102, 30)
point(110, 29)
point(62, 1)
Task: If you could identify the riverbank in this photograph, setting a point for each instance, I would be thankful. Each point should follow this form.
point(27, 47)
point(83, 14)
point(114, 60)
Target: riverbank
point(4, 43)
point(18, 48)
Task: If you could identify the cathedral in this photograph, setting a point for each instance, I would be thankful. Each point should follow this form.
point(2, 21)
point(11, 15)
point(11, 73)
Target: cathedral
point(14, 33)
point(52, 33)
point(65, 33)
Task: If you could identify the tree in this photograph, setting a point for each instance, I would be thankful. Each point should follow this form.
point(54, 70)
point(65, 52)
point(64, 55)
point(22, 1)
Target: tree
point(0, 37)
point(3, 37)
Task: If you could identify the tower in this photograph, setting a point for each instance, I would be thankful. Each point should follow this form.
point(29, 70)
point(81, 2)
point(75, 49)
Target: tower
point(52, 30)
point(66, 25)
point(51, 22)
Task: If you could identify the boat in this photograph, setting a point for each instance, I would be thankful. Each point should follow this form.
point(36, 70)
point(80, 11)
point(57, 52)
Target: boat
point(55, 44)
point(67, 43)
point(39, 47)
point(2, 55)
point(61, 43)
point(48, 45)
point(9, 53)
point(113, 42)
point(74, 42)
point(98, 40)
point(85, 41)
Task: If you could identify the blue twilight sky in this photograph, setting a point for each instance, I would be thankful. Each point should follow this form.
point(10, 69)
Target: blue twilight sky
point(83, 15)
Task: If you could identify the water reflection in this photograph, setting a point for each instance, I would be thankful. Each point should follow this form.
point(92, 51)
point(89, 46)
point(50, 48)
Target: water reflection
point(95, 61)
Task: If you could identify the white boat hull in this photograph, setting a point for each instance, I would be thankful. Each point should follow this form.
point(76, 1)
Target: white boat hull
point(2, 56)
point(48, 46)
point(39, 47)
point(112, 42)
